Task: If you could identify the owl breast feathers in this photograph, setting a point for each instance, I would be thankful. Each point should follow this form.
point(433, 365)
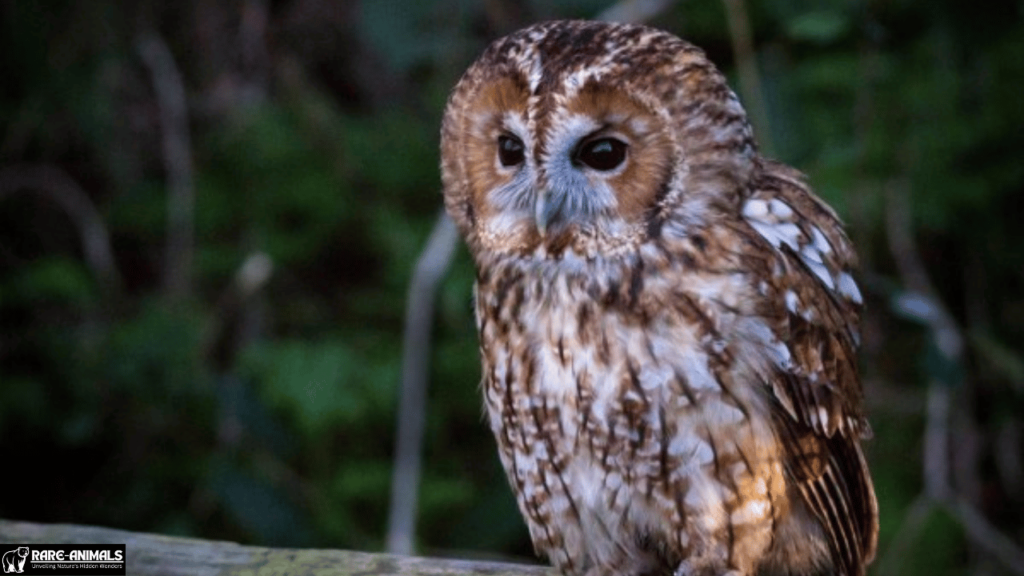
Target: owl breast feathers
point(668, 323)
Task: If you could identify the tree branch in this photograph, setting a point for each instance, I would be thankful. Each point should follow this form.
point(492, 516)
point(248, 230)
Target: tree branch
point(633, 10)
point(431, 268)
point(177, 150)
point(746, 66)
point(55, 184)
point(157, 555)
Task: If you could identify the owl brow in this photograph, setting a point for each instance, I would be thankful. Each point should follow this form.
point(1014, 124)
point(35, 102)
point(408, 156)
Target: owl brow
point(599, 131)
point(512, 125)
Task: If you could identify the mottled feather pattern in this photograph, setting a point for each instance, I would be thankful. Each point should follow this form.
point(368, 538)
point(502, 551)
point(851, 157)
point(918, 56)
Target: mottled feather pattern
point(668, 321)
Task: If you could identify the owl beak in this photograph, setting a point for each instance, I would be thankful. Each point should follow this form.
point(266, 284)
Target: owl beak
point(545, 211)
point(540, 214)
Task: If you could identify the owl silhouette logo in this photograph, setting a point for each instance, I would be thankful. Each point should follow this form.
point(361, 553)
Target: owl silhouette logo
point(14, 560)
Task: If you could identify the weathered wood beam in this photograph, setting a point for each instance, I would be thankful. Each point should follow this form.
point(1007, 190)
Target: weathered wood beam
point(156, 555)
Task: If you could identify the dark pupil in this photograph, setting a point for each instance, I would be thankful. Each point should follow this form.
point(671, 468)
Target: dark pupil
point(603, 154)
point(510, 151)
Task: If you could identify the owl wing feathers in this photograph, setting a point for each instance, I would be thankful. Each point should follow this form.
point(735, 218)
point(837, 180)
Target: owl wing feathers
point(818, 391)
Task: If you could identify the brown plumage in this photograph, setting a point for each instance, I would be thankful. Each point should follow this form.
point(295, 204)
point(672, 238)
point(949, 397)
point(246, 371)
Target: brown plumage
point(668, 321)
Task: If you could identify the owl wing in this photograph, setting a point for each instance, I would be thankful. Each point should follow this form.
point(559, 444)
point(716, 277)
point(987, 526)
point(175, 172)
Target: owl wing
point(815, 307)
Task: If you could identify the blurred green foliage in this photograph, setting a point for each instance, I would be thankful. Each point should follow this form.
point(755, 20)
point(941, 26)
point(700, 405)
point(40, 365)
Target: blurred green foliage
point(268, 416)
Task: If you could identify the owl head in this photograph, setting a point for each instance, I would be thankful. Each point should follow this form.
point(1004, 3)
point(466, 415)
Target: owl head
point(593, 138)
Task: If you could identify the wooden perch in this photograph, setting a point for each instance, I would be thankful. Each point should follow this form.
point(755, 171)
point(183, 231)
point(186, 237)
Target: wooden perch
point(156, 555)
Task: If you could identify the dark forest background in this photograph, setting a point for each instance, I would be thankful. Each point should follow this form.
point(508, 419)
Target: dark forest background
point(210, 212)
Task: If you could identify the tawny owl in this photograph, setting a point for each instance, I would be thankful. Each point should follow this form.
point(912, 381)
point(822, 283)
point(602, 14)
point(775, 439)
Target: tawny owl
point(668, 321)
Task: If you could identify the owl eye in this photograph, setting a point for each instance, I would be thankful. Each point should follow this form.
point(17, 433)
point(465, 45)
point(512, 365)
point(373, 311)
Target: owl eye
point(602, 154)
point(510, 150)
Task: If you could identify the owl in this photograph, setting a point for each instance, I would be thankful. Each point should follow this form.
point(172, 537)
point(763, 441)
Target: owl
point(668, 323)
